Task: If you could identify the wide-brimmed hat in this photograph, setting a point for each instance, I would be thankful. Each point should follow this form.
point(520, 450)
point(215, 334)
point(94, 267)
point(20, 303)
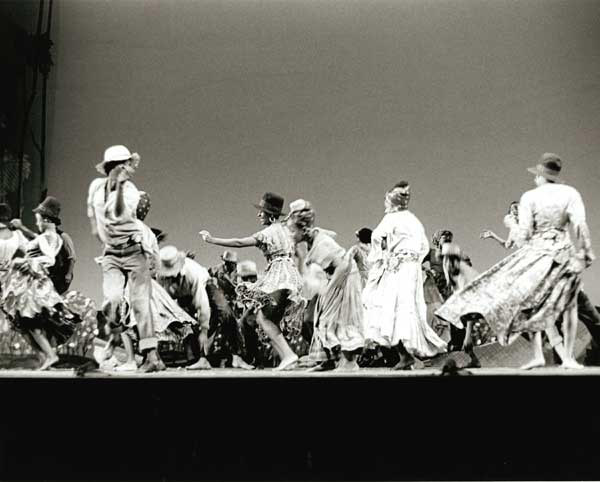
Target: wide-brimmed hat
point(49, 208)
point(115, 154)
point(5, 213)
point(271, 203)
point(549, 167)
point(247, 268)
point(230, 256)
point(171, 261)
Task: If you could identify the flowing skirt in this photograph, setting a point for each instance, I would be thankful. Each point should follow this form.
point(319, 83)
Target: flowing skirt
point(339, 313)
point(171, 322)
point(527, 291)
point(396, 310)
point(30, 301)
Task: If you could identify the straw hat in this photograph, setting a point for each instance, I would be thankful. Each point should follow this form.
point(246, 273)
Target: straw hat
point(171, 261)
point(115, 154)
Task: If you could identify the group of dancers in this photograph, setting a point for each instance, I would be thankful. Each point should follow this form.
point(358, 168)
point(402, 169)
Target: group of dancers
point(393, 299)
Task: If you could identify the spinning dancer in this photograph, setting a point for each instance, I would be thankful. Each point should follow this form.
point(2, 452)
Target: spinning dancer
point(29, 298)
point(277, 295)
point(528, 291)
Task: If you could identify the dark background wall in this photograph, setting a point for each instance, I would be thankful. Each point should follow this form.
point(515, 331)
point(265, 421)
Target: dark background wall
point(332, 101)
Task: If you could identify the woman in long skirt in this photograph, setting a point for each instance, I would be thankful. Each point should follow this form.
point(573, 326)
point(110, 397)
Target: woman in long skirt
point(338, 316)
point(395, 305)
point(530, 290)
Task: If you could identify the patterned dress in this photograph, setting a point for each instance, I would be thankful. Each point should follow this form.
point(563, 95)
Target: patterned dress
point(339, 314)
point(279, 291)
point(533, 287)
point(393, 297)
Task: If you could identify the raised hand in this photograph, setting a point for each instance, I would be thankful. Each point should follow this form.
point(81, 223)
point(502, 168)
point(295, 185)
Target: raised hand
point(205, 235)
point(485, 234)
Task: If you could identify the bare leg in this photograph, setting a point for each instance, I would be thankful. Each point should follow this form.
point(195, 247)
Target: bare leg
point(538, 354)
point(570, 330)
point(286, 355)
point(130, 364)
point(406, 359)
point(44, 344)
point(468, 346)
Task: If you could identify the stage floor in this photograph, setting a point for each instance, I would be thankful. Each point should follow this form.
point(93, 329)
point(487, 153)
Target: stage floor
point(224, 373)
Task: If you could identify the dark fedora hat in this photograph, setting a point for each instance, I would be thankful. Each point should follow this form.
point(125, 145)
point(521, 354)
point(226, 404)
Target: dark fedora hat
point(364, 235)
point(5, 213)
point(49, 208)
point(271, 203)
point(549, 166)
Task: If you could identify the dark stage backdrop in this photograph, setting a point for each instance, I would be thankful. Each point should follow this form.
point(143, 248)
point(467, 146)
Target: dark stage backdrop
point(332, 101)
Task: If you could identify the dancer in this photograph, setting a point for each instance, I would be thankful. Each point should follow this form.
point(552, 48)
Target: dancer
point(528, 291)
point(29, 298)
point(360, 253)
point(171, 322)
point(61, 272)
point(339, 314)
point(12, 242)
point(587, 313)
point(393, 296)
point(254, 352)
point(458, 273)
point(277, 296)
point(511, 221)
point(112, 203)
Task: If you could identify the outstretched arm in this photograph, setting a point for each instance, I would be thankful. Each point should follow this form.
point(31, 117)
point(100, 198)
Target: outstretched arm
point(487, 234)
point(228, 242)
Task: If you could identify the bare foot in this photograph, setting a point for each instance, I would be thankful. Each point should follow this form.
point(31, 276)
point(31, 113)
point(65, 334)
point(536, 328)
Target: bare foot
point(571, 363)
point(535, 363)
point(201, 364)
point(48, 363)
point(237, 362)
point(287, 363)
point(347, 366)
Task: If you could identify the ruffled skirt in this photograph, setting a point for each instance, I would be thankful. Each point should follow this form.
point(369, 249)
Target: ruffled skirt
point(526, 292)
point(30, 301)
point(279, 295)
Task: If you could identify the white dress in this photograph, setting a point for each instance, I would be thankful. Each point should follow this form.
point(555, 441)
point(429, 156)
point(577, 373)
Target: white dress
point(393, 296)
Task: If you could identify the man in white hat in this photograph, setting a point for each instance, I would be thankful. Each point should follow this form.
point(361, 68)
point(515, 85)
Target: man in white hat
point(111, 205)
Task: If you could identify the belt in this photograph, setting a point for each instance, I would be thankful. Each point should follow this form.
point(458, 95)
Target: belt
point(124, 251)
